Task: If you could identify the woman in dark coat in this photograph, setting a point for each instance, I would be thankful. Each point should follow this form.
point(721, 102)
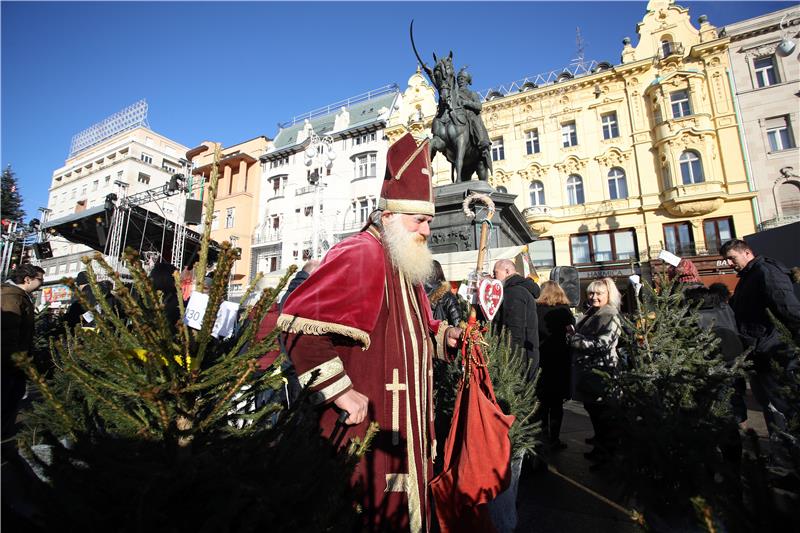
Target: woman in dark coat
point(556, 361)
point(444, 303)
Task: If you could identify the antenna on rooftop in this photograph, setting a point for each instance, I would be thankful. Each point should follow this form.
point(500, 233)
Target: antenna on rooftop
point(580, 46)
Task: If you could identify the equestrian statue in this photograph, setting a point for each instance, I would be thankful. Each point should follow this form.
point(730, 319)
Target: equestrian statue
point(458, 131)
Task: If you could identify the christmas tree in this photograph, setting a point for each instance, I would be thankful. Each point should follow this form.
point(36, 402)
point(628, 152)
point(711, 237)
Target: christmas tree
point(671, 406)
point(11, 204)
point(151, 426)
point(516, 395)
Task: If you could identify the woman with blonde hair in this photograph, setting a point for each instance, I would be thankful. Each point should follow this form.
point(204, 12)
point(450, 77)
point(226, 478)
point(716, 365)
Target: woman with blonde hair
point(556, 363)
point(594, 346)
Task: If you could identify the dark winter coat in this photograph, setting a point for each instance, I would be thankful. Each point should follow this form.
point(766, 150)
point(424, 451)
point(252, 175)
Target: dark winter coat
point(298, 278)
point(533, 287)
point(594, 346)
point(556, 360)
point(765, 284)
point(444, 304)
point(75, 310)
point(716, 315)
point(518, 314)
point(17, 336)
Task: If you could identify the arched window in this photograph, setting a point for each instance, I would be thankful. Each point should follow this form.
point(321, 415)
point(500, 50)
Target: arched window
point(617, 186)
point(691, 168)
point(575, 190)
point(502, 189)
point(537, 193)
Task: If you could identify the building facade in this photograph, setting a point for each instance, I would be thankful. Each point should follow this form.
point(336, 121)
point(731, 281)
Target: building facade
point(125, 162)
point(766, 77)
point(612, 164)
point(236, 203)
point(320, 180)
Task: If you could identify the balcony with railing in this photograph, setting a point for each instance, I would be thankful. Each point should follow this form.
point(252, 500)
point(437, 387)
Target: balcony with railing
point(670, 50)
point(694, 199)
point(304, 190)
point(778, 221)
point(351, 226)
point(539, 218)
point(268, 236)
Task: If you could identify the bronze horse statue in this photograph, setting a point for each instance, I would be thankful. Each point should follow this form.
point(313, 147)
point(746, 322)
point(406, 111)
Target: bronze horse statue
point(456, 127)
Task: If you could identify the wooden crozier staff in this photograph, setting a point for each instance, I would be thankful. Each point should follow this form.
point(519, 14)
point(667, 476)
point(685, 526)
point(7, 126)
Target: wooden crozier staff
point(474, 280)
point(477, 450)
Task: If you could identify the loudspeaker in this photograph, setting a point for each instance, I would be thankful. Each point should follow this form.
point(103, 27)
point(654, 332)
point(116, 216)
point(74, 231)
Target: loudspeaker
point(193, 214)
point(569, 280)
point(43, 250)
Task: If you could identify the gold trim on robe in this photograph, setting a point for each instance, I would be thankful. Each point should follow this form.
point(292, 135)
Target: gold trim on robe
point(396, 483)
point(440, 351)
point(328, 392)
point(325, 371)
point(297, 324)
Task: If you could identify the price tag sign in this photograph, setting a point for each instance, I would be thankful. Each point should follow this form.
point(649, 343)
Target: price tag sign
point(669, 257)
point(196, 310)
point(226, 320)
point(226, 315)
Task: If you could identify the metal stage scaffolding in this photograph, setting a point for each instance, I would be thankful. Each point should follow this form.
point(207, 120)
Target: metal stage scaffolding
point(113, 227)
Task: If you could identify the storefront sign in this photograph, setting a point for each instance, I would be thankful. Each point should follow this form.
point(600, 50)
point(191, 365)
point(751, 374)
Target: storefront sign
point(56, 293)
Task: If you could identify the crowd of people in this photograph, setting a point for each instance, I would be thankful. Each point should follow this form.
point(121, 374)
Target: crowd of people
point(369, 358)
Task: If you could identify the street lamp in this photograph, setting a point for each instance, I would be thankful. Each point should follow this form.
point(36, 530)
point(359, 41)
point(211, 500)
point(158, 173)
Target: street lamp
point(320, 153)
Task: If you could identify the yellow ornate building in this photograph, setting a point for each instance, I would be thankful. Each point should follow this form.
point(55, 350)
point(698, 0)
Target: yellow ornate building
point(617, 163)
point(236, 204)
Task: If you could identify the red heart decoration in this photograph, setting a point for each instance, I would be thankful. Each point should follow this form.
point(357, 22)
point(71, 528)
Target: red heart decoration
point(490, 296)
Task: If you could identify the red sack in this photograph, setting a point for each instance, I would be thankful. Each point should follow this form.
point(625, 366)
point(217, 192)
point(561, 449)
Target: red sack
point(477, 452)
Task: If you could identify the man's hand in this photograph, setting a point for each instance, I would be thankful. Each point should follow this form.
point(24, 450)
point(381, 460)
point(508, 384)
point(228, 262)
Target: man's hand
point(354, 403)
point(452, 335)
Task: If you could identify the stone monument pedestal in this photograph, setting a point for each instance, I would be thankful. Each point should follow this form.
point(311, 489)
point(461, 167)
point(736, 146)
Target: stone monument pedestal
point(451, 231)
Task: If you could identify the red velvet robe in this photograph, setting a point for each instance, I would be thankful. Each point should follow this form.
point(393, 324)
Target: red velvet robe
point(356, 323)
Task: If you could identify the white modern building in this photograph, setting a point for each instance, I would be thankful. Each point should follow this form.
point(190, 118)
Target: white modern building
point(320, 179)
point(764, 53)
point(119, 155)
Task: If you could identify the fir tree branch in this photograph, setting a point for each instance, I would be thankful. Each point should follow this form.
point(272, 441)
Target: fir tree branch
point(211, 197)
point(25, 362)
point(250, 288)
point(183, 330)
point(219, 408)
point(215, 299)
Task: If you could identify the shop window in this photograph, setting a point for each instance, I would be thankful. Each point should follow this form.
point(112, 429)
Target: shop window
point(717, 231)
point(603, 246)
point(679, 238)
point(542, 252)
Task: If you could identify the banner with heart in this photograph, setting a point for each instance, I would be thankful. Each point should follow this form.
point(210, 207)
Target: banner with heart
point(490, 296)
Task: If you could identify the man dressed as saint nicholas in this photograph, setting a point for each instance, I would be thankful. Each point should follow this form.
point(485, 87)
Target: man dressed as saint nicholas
point(360, 330)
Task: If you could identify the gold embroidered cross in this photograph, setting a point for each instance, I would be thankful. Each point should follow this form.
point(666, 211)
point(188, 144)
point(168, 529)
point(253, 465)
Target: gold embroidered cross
point(395, 387)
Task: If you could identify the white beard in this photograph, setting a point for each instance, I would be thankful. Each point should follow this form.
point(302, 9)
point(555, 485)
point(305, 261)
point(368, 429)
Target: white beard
point(408, 251)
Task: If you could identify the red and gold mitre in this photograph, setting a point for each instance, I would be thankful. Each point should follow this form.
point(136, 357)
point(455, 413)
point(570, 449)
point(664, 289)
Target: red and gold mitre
point(407, 184)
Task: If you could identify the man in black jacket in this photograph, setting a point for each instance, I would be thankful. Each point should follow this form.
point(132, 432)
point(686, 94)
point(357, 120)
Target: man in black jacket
point(764, 285)
point(518, 313)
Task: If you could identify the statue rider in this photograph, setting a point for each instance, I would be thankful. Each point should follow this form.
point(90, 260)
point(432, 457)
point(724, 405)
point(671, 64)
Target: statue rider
point(472, 103)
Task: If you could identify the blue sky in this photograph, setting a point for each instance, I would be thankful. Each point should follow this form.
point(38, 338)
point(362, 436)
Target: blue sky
point(229, 72)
